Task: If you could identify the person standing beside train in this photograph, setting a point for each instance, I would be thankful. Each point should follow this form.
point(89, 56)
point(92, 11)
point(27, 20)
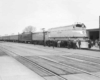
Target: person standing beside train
point(58, 43)
point(99, 44)
point(69, 43)
point(89, 44)
point(53, 43)
point(74, 44)
point(79, 43)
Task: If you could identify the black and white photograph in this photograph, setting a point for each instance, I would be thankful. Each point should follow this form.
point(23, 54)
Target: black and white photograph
point(49, 39)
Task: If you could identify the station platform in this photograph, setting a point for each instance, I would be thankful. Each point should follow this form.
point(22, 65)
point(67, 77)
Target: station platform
point(95, 48)
point(11, 69)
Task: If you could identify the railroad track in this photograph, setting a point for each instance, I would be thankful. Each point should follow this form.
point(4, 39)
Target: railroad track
point(91, 61)
point(42, 71)
point(45, 70)
point(86, 58)
point(44, 49)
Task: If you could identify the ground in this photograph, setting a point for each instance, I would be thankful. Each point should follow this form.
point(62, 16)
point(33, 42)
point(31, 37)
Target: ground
point(56, 63)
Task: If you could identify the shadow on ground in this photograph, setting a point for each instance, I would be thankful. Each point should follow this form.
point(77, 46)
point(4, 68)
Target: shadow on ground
point(2, 53)
point(92, 50)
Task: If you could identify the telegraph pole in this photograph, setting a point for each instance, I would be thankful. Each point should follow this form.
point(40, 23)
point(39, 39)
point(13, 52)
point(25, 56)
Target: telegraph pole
point(43, 36)
point(99, 32)
point(18, 37)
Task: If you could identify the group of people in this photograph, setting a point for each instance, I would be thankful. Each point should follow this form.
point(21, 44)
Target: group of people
point(70, 44)
point(75, 43)
point(95, 43)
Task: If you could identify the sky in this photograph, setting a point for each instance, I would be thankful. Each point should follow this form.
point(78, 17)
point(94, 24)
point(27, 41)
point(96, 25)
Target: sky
point(15, 15)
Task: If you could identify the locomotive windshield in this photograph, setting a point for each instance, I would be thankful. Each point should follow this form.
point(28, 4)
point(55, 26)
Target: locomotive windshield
point(80, 25)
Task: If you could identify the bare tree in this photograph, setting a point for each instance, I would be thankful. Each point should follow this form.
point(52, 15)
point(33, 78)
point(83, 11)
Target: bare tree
point(29, 29)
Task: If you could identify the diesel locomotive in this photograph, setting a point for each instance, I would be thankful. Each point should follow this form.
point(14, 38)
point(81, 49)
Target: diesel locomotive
point(73, 32)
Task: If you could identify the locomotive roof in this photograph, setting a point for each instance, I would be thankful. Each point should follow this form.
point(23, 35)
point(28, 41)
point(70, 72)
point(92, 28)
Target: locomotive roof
point(63, 26)
point(69, 26)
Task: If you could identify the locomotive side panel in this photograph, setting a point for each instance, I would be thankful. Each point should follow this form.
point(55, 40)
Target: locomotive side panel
point(68, 31)
point(74, 33)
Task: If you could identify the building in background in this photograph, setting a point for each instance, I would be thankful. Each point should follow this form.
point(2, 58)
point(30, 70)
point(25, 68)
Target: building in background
point(93, 34)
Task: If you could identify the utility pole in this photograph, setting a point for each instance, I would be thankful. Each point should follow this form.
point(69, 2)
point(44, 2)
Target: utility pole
point(43, 36)
point(99, 32)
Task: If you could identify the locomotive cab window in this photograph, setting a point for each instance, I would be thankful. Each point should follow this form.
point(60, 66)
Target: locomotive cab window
point(78, 25)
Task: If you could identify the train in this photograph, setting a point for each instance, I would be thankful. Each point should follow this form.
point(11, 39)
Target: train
point(52, 36)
